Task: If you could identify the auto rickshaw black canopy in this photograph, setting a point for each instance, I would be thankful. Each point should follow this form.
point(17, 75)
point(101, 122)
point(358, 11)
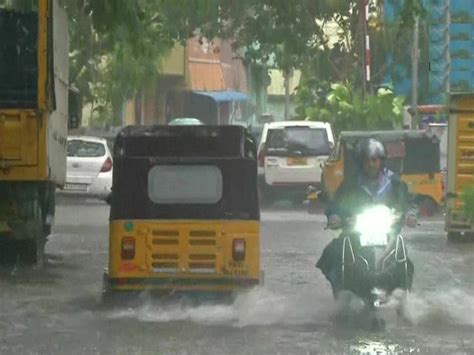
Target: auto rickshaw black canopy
point(229, 148)
point(421, 150)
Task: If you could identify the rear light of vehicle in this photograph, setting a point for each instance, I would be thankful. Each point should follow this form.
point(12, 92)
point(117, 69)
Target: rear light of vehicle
point(107, 166)
point(261, 157)
point(238, 249)
point(128, 248)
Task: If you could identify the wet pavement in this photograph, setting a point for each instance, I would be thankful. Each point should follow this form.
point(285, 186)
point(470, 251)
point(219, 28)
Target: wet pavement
point(58, 311)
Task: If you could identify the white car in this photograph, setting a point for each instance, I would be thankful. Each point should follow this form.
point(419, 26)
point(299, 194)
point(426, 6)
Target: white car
point(290, 157)
point(89, 167)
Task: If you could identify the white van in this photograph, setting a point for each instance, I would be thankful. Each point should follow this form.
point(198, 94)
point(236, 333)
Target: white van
point(290, 156)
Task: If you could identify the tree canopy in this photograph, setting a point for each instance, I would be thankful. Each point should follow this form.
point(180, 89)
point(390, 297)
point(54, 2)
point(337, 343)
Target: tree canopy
point(116, 45)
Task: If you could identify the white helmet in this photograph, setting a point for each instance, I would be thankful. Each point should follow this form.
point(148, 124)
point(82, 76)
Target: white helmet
point(371, 149)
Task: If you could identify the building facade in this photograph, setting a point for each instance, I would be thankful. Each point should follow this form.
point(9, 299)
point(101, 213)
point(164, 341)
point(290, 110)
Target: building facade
point(449, 30)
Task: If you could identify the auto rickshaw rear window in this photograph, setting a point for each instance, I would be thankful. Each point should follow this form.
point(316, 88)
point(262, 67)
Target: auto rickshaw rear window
point(185, 184)
point(423, 156)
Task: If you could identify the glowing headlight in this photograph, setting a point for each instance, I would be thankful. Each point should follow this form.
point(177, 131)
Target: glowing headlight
point(373, 225)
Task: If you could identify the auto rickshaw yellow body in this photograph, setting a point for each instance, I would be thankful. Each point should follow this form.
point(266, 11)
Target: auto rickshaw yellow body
point(184, 211)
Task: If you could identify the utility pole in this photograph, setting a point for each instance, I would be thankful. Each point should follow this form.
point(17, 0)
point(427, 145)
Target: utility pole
point(364, 18)
point(287, 75)
point(414, 74)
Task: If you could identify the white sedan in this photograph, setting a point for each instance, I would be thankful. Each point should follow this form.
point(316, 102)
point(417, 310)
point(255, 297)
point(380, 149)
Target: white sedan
point(89, 167)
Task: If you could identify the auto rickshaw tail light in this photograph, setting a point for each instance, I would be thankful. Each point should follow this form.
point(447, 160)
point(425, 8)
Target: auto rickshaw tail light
point(128, 248)
point(238, 249)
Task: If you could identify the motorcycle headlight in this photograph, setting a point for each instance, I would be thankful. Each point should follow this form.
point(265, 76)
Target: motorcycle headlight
point(373, 225)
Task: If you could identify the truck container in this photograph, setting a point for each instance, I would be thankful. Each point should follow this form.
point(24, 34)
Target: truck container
point(460, 164)
point(34, 86)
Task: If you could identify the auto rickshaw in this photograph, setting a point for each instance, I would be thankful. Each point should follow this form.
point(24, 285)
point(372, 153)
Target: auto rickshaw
point(413, 155)
point(184, 211)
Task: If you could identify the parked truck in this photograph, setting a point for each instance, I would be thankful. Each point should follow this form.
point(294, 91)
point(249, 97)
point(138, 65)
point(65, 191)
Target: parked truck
point(34, 86)
point(460, 164)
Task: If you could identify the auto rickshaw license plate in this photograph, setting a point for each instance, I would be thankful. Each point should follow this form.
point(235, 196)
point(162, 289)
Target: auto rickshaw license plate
point(297, 161)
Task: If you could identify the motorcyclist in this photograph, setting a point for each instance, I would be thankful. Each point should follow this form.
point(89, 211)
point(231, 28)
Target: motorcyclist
point(373, 185)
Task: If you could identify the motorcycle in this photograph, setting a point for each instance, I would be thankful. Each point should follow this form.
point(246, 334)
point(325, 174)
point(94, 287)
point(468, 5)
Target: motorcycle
point(373, 261)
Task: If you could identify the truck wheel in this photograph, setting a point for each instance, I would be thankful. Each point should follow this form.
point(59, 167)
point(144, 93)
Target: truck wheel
point(8, 252)
point(48, 198)
point(31, 250)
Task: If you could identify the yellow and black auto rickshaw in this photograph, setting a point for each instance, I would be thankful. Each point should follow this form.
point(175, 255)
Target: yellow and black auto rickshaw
point(184, 210)
point(413, 155)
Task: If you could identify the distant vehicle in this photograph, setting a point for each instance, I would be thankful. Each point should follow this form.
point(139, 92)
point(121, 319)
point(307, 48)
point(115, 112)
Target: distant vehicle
point(89, 167)
point(290, 157)
point(186, 121)
point(413, 155)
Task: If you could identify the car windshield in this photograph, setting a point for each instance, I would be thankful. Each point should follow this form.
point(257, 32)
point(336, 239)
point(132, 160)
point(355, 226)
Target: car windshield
point(85, 149)
point(302, 140)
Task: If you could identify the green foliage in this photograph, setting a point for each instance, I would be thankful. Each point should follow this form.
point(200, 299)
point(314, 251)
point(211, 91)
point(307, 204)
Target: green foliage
point(346, 109)
point(468, 200)
point(109, 56)
point(116, 45)
point(280, 33)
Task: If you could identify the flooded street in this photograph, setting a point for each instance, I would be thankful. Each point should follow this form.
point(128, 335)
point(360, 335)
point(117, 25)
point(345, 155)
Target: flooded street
point(58, 310)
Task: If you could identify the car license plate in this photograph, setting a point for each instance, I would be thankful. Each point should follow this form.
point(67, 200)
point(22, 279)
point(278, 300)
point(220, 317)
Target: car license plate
point(75, 187)
point(297, 161)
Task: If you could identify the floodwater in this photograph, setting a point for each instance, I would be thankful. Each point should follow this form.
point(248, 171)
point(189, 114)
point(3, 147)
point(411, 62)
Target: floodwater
point(58, 310)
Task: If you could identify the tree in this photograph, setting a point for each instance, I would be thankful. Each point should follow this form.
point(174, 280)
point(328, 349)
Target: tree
point(347, 109)
point(115, 47)
point(117, 44)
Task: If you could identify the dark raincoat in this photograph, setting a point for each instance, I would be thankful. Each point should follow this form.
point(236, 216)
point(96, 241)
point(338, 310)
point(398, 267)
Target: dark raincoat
point(351, 199)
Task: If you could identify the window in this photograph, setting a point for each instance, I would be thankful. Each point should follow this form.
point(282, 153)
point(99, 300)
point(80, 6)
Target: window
point(308, 141)
point(85, 149)
point(335, 153)
point(18, 54)
point(19, 5)
point(189, 184)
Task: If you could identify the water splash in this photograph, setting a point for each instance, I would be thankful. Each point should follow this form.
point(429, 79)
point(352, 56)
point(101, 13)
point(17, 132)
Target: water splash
point(261, 307)
point(258, 307)
point(436, 308)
